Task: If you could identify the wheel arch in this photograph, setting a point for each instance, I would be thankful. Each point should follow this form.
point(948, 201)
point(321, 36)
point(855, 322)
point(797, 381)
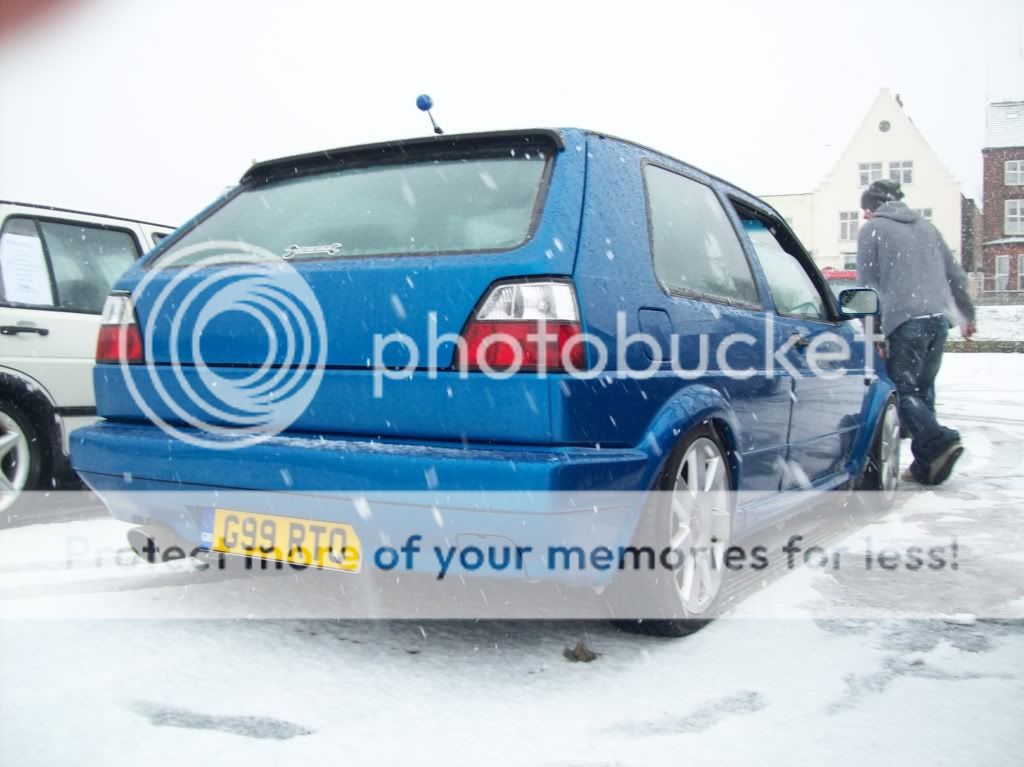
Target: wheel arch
point(692, 406)
point(38, 405)
point(882, 393)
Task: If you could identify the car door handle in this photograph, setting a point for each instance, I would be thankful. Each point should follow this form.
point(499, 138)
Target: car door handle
point(801, 340)
point(13, 330)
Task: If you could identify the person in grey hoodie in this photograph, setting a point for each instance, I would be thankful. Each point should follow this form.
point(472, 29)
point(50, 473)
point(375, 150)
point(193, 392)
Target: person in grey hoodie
point(923, 292)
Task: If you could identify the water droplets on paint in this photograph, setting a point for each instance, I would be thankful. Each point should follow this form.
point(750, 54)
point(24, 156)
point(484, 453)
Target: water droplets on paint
point(558, 245)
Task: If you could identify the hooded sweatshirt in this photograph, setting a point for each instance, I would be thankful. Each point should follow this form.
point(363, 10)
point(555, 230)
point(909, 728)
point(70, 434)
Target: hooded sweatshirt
point(902, 256)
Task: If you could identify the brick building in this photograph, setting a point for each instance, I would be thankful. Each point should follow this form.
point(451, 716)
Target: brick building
point(971, 224)
point(1003, 200)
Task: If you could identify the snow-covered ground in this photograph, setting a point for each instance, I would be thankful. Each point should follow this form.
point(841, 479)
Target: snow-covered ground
point(997, 323)
point(779, 680)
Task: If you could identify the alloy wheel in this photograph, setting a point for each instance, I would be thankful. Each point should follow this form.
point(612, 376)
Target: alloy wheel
point(889, 453)
point(700, 525)
point(14, 460)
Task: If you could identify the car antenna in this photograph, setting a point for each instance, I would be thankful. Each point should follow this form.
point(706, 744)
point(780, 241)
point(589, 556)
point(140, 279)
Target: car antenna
point(425, 104)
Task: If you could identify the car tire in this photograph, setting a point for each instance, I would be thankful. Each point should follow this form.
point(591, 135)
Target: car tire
point(22, 456)
point(684, 591)
point(881, 473)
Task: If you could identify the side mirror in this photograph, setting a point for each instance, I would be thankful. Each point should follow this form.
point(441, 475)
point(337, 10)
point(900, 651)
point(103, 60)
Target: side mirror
point(858, 302)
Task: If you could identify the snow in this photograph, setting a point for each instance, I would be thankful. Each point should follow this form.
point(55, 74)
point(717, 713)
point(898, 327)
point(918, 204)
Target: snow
point(996, 323)
point(772, 678)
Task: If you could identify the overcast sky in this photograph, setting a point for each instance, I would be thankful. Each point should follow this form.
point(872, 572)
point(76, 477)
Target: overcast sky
point(150, 109)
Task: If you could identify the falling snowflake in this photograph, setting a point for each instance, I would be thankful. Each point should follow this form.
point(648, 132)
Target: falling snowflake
point(396, 304)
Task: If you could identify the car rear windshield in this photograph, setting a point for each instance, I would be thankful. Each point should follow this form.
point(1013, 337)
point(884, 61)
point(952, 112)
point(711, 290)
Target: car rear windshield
point(482, 202)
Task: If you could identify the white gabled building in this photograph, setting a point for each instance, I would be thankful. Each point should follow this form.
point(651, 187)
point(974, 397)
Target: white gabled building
point(886, 145)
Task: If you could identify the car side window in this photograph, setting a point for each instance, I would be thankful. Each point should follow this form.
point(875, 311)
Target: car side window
point(695, 248)
point(68, 265)
point(86, 262)
point(793, 291)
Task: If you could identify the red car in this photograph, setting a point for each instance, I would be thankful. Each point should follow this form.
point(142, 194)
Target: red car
point(840, 279)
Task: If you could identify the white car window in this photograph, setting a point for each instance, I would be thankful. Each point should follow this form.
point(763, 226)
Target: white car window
point(86, 261)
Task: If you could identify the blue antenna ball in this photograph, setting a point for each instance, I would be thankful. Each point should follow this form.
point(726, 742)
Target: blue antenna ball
point(424, 102)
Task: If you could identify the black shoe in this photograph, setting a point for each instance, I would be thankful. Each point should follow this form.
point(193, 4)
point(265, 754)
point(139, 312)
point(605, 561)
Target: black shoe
point(942, 465)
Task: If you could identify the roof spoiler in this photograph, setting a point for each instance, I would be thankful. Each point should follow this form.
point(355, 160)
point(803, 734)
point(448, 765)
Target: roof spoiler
point(368, 154)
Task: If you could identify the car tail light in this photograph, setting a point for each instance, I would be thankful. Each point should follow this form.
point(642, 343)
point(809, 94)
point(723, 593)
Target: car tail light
point(119, 339)
point(525, 326)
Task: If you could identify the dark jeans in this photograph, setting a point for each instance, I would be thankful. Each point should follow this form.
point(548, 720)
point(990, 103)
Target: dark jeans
point(913, 360)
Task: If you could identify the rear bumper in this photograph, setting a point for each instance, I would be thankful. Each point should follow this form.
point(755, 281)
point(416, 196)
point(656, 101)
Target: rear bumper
point(312, 463)
point(449, 496)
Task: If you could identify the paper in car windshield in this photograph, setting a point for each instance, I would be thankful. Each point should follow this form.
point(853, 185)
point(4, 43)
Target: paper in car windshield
point(25, 277)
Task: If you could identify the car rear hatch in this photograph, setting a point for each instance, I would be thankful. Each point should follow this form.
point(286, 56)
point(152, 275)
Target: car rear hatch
point(368, 253)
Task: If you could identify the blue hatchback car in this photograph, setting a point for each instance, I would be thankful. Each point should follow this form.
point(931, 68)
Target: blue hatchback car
point(548, 312)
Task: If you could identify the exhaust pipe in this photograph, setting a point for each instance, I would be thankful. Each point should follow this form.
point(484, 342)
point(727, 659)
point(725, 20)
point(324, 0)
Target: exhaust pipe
point(157, 543)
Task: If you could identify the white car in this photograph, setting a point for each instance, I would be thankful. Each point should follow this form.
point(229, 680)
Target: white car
point(56, 268)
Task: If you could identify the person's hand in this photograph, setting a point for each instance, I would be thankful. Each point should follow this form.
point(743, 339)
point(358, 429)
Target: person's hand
point(968, 331)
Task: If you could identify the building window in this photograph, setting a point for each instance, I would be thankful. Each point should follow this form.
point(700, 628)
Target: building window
point(849, 221)
point(925, 213)
point(850, 262)
point(902, 171)
point(1002, 276)
point(1013, 222)
point(1014, 172)
point(1020, 272)
point(978, 278)
point(869, 172)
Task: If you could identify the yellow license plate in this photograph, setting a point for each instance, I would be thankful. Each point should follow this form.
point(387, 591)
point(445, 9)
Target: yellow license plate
point(328, 545)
